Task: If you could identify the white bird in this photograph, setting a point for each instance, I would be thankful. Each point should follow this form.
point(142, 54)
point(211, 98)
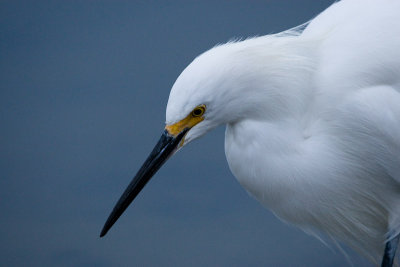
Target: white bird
point(312, 121)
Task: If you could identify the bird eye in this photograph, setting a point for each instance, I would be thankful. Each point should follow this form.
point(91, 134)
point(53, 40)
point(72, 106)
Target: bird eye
point(198, 111)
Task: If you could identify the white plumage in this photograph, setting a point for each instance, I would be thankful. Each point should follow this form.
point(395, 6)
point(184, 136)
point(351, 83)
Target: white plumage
point(313, 120)
point(312, 123)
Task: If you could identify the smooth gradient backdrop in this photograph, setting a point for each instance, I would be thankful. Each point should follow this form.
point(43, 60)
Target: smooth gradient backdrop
point(83, 90)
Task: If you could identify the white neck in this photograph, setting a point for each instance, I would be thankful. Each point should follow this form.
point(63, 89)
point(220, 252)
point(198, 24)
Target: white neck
point(271, 132)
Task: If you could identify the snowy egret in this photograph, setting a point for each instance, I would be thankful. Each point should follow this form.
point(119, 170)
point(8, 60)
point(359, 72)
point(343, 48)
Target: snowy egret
point(312, 121)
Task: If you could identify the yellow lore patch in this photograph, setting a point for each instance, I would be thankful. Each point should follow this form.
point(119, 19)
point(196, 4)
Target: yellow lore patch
point(191, 120)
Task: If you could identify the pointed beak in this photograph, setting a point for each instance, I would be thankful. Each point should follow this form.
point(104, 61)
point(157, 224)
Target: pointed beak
point(165, 148)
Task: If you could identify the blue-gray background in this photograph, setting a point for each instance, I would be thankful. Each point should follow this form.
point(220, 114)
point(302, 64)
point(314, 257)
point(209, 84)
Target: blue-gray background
point(83, 90)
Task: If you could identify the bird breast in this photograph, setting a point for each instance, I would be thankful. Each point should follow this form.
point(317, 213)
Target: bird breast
point(313, 181)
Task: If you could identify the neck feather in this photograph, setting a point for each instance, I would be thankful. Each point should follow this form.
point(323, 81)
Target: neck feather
point(266, 78)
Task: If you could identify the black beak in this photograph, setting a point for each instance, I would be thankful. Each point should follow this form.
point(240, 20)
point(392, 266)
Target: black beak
point(165, 148)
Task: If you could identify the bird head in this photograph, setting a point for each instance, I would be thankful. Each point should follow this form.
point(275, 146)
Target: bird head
point(222, 85)
point(197, 102)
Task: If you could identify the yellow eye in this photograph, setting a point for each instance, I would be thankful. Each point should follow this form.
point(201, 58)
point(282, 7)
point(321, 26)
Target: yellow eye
point(199, 111)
